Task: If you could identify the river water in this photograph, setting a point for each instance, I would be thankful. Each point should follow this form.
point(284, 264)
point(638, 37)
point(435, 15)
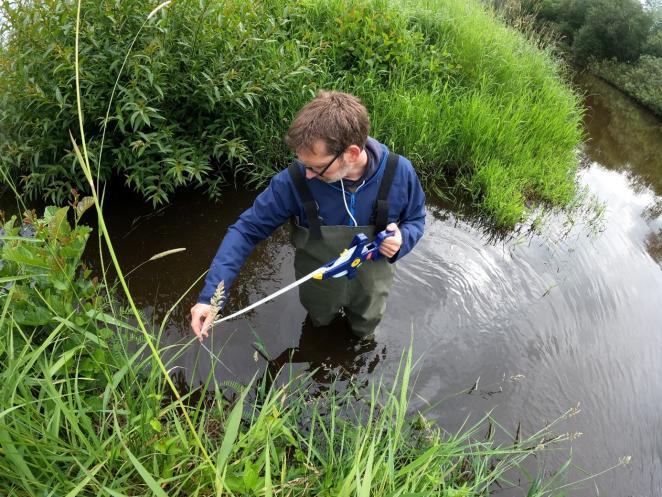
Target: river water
point(524, 327)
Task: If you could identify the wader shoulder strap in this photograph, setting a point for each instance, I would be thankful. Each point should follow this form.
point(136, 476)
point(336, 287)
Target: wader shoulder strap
point(381, 207)
point(309, 204)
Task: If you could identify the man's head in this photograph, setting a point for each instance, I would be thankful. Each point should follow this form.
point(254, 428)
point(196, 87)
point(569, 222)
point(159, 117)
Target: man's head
point(329, 134)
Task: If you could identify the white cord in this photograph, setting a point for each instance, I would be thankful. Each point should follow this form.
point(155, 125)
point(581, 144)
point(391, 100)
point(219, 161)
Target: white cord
point(345, 202)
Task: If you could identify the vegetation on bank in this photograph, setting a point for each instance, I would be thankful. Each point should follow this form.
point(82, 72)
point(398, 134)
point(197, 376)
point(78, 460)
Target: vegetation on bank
point(618, 40)
point(209, 89)
point(642, 80)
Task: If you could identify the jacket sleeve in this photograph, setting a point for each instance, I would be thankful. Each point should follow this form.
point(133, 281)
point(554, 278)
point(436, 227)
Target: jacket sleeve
point(272, 207)
point(412, 216)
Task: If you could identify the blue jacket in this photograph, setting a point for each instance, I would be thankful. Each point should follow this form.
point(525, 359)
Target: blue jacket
point(280, 201)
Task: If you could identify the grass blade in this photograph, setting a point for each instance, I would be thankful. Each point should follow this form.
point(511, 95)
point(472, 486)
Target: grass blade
point(145, 475)
point(87, 480)
point(231, 432)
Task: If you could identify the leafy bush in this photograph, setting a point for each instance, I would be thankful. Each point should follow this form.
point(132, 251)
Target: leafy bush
point(41, 267)
point(209, 89)
point(48, 300)
point(640, 80)
point(612, 28)
point(200, 83)
point(596, 29)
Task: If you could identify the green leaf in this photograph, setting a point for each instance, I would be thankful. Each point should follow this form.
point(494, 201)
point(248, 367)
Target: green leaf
point(7, 279)
point(231, 432)
point(58, 224)
point(25, 257)
point(156, 425)
point(268, 488)
point(60, 284)
point(81, 161)
point(108, 319)
point(88, 478)
point(15, 459)
point(63, 360)
point(21, 239)
point(366, 484)
point(114, 493)
point(34, 316)
point(424, 458)
point(251, 476)
point(58, 96)
point(145, 475)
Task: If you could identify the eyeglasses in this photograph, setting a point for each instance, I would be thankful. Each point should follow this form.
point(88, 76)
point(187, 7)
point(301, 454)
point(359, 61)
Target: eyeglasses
point(315, 170)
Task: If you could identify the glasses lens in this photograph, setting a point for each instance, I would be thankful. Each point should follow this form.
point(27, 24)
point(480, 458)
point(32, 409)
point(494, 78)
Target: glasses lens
point(319, 171)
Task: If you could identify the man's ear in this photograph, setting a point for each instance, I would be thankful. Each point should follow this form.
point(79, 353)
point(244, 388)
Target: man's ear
point(353, 151)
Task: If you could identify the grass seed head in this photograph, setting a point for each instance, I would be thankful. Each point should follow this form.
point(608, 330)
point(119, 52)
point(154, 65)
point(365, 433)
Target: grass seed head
point(218, 299)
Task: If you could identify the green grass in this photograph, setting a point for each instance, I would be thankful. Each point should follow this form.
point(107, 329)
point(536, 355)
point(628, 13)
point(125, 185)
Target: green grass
point(114, 429)
point(506, 128)
point(117, 431)
point(483, 111)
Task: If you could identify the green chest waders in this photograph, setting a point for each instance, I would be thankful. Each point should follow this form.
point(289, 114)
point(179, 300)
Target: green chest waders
point(363, 298)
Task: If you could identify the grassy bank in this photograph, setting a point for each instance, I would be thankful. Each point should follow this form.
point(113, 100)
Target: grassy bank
point(210, 88)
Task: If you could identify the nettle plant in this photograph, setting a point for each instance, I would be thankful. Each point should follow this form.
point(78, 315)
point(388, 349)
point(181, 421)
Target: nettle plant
point(41, 270)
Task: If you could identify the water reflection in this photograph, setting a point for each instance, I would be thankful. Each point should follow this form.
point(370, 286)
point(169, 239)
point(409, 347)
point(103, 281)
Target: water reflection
point(622, 136)
point(625, 138)
point(330, 353)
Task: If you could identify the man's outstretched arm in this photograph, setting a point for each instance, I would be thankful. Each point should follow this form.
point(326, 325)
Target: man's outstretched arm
point(272, 207)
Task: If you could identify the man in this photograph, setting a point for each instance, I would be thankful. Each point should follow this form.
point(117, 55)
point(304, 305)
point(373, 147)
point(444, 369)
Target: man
point(342, 183)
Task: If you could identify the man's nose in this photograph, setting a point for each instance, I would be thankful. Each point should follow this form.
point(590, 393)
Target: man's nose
point(310, 174)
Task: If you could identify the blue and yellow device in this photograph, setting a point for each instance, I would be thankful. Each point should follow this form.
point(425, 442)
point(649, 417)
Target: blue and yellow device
point(359, 251)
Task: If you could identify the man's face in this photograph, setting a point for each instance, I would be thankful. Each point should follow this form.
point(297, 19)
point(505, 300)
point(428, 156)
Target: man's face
point(322, 165)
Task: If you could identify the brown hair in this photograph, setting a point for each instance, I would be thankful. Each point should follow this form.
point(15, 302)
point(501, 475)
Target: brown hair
point(339, 119)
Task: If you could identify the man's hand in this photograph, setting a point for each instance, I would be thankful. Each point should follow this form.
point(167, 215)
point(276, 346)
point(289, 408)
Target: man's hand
point(201, 320)
point(391, 245)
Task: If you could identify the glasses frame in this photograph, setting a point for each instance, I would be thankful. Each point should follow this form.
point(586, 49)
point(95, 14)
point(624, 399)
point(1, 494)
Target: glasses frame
point(324, 169)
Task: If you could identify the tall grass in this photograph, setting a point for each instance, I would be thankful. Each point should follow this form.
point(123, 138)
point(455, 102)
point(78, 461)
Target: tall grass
point(64, 432)
point(206, 97)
